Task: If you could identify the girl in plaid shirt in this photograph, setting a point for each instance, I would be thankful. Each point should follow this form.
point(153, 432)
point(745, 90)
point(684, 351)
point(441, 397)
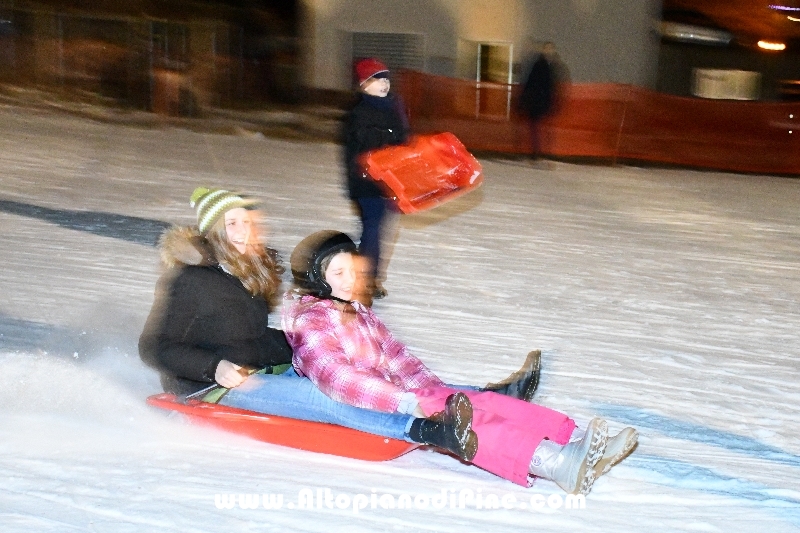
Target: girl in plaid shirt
point(349, 353)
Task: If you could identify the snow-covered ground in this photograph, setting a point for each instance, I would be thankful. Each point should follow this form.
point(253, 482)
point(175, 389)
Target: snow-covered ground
point(664, 299)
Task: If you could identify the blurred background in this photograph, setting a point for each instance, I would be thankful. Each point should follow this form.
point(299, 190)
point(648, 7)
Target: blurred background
point(457, 63)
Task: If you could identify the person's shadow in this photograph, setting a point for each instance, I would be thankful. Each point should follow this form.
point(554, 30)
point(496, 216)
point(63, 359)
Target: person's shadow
point(132, 229)
point(28, 336)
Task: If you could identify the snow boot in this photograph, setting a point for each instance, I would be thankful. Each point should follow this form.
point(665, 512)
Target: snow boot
point(522, 383)
point(618, 447)
point(450, 429)
point(571, 466)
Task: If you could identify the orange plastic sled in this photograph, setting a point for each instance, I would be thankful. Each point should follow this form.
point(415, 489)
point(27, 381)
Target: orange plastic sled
point(426, 172)
point(310, 436)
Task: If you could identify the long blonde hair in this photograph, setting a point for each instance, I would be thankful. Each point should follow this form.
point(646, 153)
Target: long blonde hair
point(259, 269)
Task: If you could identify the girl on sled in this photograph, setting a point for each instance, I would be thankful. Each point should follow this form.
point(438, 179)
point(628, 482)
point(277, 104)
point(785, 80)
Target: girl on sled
point(210, 321)
point(346, 351)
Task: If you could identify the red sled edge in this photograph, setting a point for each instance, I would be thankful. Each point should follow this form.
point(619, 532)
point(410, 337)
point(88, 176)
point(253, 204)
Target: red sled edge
point(310, 436)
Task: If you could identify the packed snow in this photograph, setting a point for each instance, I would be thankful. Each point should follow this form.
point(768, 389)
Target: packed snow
point(666, 299)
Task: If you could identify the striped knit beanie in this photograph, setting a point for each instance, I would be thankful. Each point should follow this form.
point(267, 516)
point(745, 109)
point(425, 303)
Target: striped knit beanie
point(213, 203)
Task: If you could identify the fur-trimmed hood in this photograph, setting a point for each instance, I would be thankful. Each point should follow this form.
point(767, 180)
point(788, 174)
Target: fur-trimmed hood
point(185, 245)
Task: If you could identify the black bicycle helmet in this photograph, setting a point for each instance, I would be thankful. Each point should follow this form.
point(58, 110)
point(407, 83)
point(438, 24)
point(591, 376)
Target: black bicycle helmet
point(309, 254)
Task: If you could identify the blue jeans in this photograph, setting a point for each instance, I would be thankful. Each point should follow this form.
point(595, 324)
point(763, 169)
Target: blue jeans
point(291, 396)
point(373, 215)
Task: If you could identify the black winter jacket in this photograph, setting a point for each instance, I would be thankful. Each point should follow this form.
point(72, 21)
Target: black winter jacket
point(374, 122)
point(537, 95)
point(202, 315)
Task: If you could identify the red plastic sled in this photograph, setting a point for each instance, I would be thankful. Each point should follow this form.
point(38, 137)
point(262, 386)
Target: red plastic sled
point(426, 172)
point(309, 436)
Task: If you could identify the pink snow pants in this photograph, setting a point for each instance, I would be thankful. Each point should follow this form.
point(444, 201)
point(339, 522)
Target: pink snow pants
point(509, 430)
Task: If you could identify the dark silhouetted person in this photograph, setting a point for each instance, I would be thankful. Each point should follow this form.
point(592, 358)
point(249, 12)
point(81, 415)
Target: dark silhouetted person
point(538, 96)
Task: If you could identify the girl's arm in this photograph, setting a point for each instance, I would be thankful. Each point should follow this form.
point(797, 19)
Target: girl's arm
point(182, 334)
point(404, 367)
point(320, 357)
point(162, 343)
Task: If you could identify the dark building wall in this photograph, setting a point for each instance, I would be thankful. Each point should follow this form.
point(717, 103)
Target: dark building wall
point(598, 40)
point(603, 40)
point(676, 62)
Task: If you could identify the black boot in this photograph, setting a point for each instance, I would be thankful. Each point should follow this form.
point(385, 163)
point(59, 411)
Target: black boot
point(522, 383)
point(451, 429)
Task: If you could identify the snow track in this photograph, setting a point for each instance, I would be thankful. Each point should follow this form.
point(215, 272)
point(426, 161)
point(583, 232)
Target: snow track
point(664, 299)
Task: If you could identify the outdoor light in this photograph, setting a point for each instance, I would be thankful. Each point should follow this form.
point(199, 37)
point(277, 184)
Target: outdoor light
point(767, 45)
point(783, 8)
point(793, 19)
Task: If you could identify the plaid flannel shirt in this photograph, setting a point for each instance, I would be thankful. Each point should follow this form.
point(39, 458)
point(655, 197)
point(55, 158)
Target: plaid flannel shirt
point(359, 363)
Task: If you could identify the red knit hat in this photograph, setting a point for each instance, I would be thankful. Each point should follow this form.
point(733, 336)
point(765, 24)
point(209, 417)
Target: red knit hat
point(367, 68)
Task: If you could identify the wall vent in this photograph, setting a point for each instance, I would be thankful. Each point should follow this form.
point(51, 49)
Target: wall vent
point(397, 50)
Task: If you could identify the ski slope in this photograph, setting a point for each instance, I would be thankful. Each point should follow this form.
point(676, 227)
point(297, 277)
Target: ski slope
point(666, 299)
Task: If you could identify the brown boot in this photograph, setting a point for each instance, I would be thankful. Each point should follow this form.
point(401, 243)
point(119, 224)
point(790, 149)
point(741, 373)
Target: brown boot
point(522, 383)
point(362, 291)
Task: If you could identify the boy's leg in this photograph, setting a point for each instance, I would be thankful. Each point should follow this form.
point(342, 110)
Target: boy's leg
point(373, 213)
